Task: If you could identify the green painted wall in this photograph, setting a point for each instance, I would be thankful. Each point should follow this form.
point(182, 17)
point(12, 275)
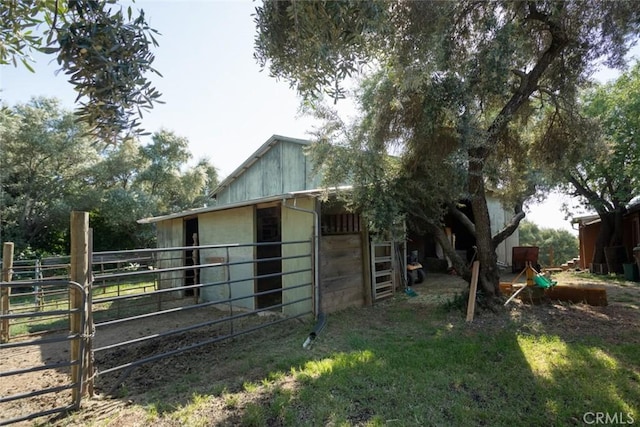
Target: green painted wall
point(221, 227)
point(282, 169)
point(170, 235)
point(296, 226)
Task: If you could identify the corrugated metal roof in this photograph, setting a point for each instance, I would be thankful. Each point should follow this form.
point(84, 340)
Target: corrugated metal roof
point(317, 192)
point(197, 211)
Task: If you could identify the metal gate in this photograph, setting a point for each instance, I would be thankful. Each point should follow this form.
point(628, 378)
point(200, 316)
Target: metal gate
point(23, 393)
point(124, 297)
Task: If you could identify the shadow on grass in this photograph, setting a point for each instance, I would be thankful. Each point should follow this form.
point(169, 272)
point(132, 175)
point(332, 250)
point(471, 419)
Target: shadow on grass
point(398, 364)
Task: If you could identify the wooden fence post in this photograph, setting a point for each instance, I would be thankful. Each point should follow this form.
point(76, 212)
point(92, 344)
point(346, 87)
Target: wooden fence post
point(90, 328)
point(5, 293)
point(80, 271)
point(471, 304)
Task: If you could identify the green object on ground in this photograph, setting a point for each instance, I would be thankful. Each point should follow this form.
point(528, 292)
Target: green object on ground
point(542, 282)
point(410, 292)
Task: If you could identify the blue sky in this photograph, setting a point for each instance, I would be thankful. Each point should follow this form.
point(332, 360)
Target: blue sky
point(214, 91)
point(216, 95)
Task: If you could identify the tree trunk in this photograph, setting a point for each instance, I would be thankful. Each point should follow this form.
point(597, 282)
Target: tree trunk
point(603, 239)
point(618, 232)
point(489, 277)
point(459, 265)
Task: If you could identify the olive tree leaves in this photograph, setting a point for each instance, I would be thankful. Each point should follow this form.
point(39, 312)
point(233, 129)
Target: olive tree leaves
point(104, 51)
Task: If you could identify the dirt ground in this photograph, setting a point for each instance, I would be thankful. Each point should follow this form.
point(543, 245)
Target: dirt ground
point(42, 352)
point(619, 321)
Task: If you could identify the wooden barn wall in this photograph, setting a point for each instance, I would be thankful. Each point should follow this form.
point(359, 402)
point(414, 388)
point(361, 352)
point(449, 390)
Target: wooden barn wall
point(297, 226)
point(499, 218)
point(282, 169)
point(170, 235)
point(587, 236)
point(341, 272)
point(222, 227)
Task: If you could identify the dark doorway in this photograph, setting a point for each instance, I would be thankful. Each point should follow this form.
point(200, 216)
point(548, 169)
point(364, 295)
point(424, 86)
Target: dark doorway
point(268, 229)
point(191, 257)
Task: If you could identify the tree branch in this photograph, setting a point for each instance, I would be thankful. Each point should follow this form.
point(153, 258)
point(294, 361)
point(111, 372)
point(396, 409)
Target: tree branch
point(529, 81)
point(510, 227)
point(461, 217)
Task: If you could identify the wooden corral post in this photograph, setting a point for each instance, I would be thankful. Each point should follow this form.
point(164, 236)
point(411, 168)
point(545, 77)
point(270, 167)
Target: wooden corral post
point(5, 293)
point(80, 271)
point(89, 327)
point(471, 305)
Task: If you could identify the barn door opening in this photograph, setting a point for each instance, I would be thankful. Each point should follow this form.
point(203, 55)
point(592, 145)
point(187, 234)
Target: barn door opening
point(191, 258)
point(268, 229)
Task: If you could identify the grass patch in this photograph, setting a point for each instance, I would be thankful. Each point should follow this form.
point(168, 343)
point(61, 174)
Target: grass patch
point(409, 362)
point(57, 298)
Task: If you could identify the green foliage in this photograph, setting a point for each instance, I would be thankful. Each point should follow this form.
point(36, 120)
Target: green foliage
point(316, 45)
point(611, 168)
point(164, 180)
point(602, 170)
point(44, 162)
point(563, 245)
point(105, 52)
point(49, 168)
point(452, 87)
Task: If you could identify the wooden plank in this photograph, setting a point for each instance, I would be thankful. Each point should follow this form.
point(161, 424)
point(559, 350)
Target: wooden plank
point(332, 243)
point(366, 282)
point(5, 293)
point(343, 256)
point(79, 273)
point(385, 294)
point(384, 285)
point(340, 242)
point(343, 282)
point(342, 299)
point(341, 268)
point(471, 304)
point(386, 272)
point(593, 295)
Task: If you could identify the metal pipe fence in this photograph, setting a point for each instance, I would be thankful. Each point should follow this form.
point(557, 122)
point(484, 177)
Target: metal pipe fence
point(11, 368)
point(149, 304)
point(232, 314)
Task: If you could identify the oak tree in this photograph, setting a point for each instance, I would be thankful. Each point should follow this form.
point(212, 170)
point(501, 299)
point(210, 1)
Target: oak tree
point(453, 83)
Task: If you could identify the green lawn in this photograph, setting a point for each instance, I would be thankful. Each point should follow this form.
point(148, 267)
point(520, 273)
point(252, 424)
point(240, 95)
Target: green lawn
point(404, 362)
point(53, 299)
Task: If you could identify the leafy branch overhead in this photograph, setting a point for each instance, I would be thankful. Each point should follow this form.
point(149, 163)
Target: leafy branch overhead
point(104, 50)
point(453, 87)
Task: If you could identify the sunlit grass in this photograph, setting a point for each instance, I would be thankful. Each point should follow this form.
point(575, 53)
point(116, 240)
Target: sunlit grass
point(400, 364)
point(448, 378)
point(58, 299)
